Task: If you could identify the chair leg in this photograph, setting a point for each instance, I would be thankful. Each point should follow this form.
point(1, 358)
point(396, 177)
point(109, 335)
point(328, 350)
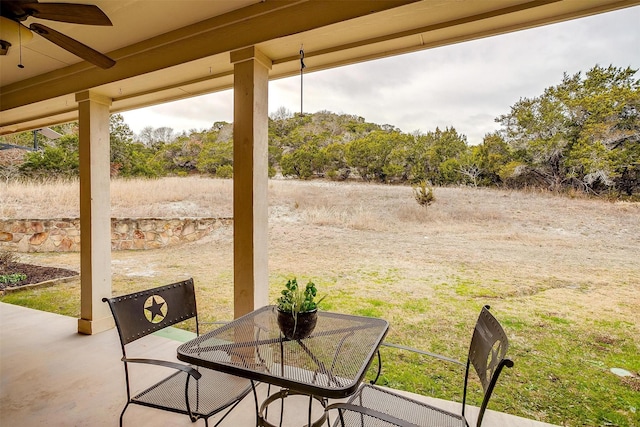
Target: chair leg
point(281, 411)
point(122, 413)
point(341, 417)
point(206, 420)
point(325, 403)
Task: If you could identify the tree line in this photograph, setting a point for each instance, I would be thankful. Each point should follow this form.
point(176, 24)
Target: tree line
point(582, 134)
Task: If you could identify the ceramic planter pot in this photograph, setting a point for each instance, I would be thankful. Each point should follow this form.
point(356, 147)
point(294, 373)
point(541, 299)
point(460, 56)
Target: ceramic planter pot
point(297, 330)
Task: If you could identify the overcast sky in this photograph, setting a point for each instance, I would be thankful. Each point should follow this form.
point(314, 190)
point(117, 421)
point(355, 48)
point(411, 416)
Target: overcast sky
point(466, 85)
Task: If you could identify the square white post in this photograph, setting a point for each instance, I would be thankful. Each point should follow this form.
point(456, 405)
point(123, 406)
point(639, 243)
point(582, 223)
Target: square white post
point(95, 213)
point(250, 179)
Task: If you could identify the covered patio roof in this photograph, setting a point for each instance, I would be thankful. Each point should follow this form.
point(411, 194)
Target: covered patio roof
point(167, 50)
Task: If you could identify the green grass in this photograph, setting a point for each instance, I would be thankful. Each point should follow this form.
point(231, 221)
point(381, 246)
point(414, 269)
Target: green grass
point(62, 299)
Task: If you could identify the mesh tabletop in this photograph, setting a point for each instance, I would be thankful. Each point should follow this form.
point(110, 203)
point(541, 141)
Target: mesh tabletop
point(331, 362)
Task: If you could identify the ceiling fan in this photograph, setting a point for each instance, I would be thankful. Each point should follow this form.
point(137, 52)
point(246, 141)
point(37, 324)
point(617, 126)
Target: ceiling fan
point(87, 14)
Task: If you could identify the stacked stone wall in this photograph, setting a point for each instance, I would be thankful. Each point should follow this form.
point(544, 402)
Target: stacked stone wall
point(63, 234)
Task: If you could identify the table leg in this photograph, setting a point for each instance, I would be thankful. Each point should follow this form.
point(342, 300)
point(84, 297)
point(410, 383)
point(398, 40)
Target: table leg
point(281, 410)
point(255, 398)
point(325, 403)
point(282, 394)
point(266, 412)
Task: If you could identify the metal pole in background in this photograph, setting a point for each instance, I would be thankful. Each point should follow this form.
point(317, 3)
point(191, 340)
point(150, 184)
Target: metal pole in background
point(302, 67)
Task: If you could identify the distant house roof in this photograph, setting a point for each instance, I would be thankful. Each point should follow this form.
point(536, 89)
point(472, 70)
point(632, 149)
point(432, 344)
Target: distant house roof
point(4, 146)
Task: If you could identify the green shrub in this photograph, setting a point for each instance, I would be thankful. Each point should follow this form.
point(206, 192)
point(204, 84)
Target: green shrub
point(224, 171)
point(9, 279)
point(59, 161)
point(423, 194)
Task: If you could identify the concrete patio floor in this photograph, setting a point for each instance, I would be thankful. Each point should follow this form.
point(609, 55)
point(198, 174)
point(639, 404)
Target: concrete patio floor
point(50, 375)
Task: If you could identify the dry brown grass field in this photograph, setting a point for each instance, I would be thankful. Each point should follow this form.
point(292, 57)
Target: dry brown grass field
point(563, 274)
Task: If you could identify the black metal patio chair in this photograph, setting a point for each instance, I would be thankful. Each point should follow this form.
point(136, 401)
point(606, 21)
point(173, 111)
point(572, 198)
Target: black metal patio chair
point(193, 391)
point(375, 406)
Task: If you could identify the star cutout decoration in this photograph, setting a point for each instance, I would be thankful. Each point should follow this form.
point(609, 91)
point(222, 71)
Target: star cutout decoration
point(155, 309)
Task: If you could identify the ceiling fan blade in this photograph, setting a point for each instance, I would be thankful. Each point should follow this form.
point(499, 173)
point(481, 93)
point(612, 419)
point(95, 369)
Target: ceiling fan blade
point(73, 46)
point(68, 12)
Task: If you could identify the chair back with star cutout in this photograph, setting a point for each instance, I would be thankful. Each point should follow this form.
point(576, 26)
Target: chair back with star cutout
point(142, 313)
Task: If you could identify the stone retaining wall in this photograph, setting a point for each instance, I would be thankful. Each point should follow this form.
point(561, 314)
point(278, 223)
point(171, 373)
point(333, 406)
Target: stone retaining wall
point(63, 234)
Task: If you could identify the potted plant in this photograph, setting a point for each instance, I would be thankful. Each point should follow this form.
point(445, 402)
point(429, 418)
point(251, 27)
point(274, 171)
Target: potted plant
point(298, 309)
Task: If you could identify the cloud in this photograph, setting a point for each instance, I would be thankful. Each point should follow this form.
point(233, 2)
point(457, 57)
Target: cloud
point(184, 115)
point(465, 85)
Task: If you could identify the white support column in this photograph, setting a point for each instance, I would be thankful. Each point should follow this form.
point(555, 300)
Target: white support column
point(95, 213)
point(250, 179)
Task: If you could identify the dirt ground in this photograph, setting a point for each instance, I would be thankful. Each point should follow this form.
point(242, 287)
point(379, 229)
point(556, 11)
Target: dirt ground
point(507, 243)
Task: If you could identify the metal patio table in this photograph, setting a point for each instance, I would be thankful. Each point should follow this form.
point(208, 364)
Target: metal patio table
point(330, 363)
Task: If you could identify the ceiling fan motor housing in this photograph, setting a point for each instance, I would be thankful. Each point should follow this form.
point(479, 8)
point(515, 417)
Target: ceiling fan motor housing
point(12, 34)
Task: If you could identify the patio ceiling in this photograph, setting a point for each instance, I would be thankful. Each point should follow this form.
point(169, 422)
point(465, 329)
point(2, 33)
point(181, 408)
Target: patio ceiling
point(168, 50)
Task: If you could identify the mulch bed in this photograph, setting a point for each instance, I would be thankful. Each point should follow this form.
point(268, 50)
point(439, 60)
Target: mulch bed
point(36, 274)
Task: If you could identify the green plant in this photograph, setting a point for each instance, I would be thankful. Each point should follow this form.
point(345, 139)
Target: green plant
point(295, 299)
point(423, 194)
point(10, 279)
point(224, 171)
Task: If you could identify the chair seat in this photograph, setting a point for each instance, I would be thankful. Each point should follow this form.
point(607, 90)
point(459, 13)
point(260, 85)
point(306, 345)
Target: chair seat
point(403, 408)
point(213, 392)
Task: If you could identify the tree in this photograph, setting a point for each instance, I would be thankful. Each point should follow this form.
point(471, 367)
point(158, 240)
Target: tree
point(146, 136)
point(335, 162)
point(281, 114)
point(469, 166)
point(491, 157)
point(604, 110)
point(303, 162)
point(379, 156)
point(128, 158)
point(181, 156)
point(10, 161)
point(120, 135)
point(584, 132)
point(155, 137)
point(435, 156)
point(214, 156)
point(60, 160)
